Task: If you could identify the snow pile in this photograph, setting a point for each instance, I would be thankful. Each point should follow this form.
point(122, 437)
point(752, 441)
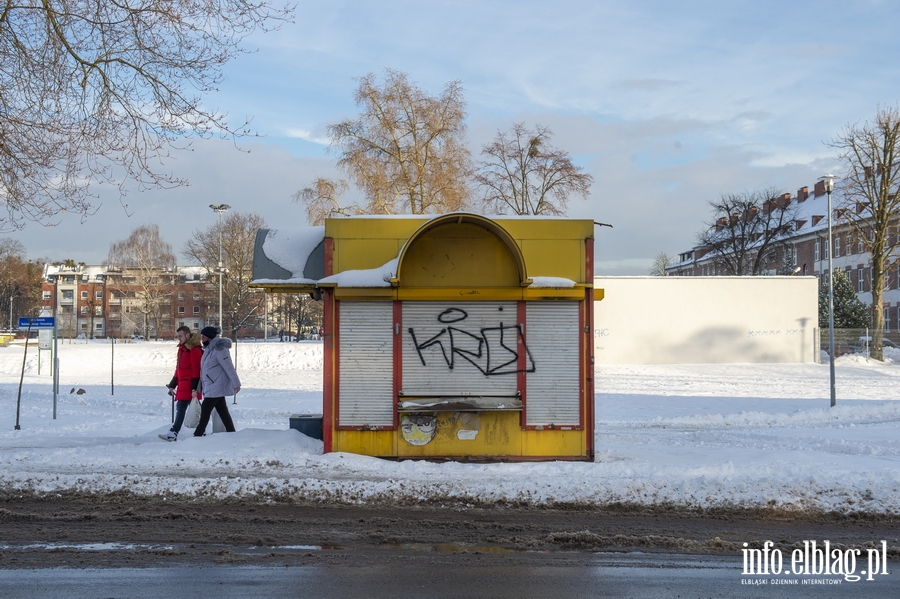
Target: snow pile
point(700, 436)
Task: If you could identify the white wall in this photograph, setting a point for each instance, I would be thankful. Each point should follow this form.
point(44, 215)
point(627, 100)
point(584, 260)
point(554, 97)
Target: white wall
point(695, 320)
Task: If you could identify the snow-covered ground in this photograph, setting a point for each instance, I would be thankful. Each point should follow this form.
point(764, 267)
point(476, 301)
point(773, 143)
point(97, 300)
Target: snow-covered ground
point(740, 435)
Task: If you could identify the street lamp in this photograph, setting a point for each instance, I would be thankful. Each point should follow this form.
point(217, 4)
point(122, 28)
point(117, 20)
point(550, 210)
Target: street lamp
point(828, 180)
point(220, 209)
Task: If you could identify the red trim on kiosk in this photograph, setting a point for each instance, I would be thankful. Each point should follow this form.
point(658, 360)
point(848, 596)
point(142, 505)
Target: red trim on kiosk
point(398, 357)
point(588, 355)
point(522, 363)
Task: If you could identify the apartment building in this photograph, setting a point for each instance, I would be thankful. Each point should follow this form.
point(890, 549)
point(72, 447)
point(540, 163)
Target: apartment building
point(102, 301)
point(803, 249)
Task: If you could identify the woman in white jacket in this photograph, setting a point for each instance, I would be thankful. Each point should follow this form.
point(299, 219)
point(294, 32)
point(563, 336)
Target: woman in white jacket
point(217, 379)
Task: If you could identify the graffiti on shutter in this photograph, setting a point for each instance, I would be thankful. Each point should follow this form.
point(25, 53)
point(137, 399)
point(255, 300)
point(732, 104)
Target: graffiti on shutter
point(465, 348)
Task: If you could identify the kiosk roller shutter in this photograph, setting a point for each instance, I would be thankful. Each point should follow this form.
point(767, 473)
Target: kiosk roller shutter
point(366, 366)
point(459, 348)
point(553, 390)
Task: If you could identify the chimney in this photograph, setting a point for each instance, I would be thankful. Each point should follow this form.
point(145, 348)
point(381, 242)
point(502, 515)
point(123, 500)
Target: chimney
point(802, 194)
point(819, 189)
point(784, 201)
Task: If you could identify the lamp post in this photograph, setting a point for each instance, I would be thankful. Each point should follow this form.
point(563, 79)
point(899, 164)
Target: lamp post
point(220, 209)
point(829, 187)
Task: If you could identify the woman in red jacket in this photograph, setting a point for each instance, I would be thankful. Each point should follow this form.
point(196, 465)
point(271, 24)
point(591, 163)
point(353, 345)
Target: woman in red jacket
point(186, 379)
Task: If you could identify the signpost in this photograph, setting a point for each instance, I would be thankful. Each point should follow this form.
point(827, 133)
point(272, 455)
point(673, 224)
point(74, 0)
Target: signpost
point(42, 323)
point(37, 322)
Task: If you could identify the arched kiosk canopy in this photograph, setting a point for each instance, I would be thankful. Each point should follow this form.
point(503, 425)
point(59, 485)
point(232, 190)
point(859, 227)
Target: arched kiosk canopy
point(461, 250)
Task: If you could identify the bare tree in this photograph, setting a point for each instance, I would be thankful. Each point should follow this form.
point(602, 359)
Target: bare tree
point(297, 312)
point(100, 92)
point(20, 281)
point(526, 175)
point(661, 262)
point(406, 150)
point(147, 261)
point(322, 199)
point(868, 199)
point(242, 306)
point(748, 231)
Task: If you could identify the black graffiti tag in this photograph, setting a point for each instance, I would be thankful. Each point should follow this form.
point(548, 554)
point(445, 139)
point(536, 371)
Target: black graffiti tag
point(491, 350)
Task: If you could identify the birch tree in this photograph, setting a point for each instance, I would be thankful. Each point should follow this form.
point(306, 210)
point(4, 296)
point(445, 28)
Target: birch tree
point(406, 149)
point(323, 198)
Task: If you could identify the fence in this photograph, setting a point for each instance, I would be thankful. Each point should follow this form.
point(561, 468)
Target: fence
point(855, 341)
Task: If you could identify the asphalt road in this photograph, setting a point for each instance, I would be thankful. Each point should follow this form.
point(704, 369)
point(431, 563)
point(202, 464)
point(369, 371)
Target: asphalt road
point(119, 546)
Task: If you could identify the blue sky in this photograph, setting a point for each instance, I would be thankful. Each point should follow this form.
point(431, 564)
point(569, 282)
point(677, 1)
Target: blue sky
point(667, 104)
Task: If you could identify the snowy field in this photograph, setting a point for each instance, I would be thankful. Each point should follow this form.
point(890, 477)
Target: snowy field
point(699, 436)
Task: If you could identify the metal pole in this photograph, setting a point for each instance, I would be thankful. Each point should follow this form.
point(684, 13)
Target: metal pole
point(55, 369)
point(220, 209)
point(221, 327)
point(828, 187)
point(112, 366)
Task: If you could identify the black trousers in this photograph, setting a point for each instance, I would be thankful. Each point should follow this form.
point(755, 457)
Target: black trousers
point(206, 408)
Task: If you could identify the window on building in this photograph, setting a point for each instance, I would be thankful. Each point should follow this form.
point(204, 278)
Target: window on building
point(98, 295)
point(826, 249)
point(196, 309)
point(887, 320)
point(84, 309)
point(860, 279)
point(837, 247)
point(181, 309)
point(98, 310)
point(84, 326)
point(816, 250)
point(65, 310)
point(100, 326)
point(859, 244)
point(46, 295)
point(196, 325)
point(804, 270)
point(181, 296)
point(68, 294)
point(84, 295)
point(849, 243)
point(196, 296)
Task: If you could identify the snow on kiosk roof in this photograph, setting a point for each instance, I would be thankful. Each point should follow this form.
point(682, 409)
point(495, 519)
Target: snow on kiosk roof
point(457, 336)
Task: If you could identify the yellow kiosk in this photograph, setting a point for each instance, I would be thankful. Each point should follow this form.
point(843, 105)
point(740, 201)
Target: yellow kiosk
point(455, 336)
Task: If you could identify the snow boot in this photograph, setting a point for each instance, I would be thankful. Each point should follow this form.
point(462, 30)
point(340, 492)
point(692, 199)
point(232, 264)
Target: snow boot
point(169, 436)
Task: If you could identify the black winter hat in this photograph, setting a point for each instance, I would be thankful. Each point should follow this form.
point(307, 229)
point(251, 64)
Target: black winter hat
point(210, 332)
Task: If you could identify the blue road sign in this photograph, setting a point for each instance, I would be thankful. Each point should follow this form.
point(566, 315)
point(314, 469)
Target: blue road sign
point(37, 322)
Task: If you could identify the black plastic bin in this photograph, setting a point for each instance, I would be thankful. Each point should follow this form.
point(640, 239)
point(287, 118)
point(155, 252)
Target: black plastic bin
point(308, 424)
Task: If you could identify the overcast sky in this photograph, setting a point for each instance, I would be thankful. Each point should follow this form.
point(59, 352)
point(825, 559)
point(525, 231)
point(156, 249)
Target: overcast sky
point(666, 103)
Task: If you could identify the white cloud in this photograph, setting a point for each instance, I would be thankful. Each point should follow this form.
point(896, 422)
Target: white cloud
point(307, 135)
